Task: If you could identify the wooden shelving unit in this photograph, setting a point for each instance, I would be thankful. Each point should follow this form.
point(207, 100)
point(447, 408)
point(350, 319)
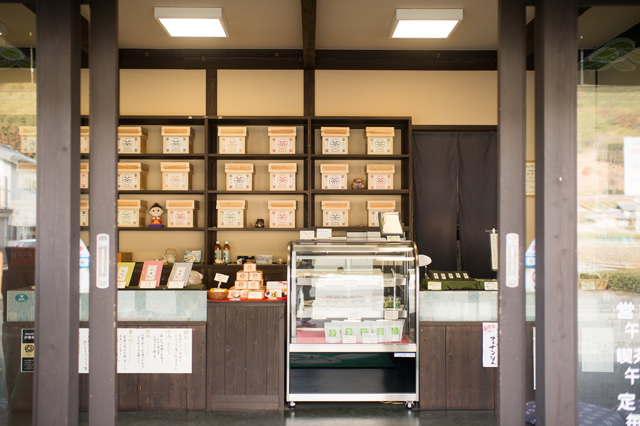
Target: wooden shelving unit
point(308, 156)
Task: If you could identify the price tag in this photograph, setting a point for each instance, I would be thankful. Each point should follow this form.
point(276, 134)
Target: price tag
point(323, 234)
point(147, 284)
point(307, 235)
point(318, 315)
point(175, 284)
point(355, 316)
point(491, 285)
point(434, 285)
point(349, 339)
point(122, 284)
point(391, 315)
point(221, 277)
point(369, 338)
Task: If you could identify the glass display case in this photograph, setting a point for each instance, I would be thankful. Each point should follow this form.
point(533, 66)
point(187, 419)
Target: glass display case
point(352, 322)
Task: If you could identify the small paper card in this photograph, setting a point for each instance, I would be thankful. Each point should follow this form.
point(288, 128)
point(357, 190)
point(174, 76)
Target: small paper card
point(434, 285)
point(323, 234)
point(369, 338)
point(147, 284)
point(151, 272)
point(180, 274)
point(349, 339)
point(587, 285)
point(391, 315)
point(491, 285)
point(489, 344)
point(125, 270)
point(307, 235)
point(221, 277)
point(355, 315)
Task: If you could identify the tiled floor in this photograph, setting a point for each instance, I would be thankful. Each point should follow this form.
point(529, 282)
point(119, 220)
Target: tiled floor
point(305, 414)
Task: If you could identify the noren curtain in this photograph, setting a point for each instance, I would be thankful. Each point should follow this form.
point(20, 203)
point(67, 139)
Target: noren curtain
point(455, 173)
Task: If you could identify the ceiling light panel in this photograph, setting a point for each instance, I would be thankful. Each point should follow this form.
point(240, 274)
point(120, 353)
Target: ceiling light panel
point(192, 22)
point(424, 23)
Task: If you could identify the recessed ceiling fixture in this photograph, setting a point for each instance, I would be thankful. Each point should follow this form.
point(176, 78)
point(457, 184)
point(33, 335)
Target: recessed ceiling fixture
point(3, 29)
point(424, 23)
point(192, 21)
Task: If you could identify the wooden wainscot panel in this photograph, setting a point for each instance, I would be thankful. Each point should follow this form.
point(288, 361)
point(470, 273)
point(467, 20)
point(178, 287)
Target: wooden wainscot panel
point(182, 213)
point(176, 176)
point(28, 139)
point(84, 174)
point(132, 176)
point(231, 213)
point(84, 212)
point(132, 140)
point(432, 368)
point(380, 140)
point(283, 176)
point(282, 140)
point(245, 343)
point(132, 213)
point(282, 213)
point(177, 140)
point(239, 176)
point(232, 140)
point(334, 176)
point(469, 385)
point(84, 140)
point(380, 176)
point(336, 213)
point(335, 140)
point(375, 207)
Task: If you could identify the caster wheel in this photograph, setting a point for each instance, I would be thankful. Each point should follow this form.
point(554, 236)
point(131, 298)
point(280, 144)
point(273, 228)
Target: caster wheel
point(409, 405)
point(292, 404)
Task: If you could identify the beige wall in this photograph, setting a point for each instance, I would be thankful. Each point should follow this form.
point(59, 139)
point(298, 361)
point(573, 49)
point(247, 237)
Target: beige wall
point(430, 97)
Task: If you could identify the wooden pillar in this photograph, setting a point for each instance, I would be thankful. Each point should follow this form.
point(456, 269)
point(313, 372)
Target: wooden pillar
point(556, 213)
point(58, 213)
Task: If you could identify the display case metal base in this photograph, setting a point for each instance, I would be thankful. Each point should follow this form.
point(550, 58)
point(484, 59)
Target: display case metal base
point(352, 397)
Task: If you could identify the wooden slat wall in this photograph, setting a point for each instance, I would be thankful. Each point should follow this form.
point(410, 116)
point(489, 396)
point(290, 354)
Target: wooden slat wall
point(246, 347)
point(136, 392)
point(451, 372)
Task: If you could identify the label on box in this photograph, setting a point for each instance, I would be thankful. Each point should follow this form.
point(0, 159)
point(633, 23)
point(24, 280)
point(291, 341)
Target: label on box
point(369, 338)
point(434, 285)
point(491, 285)
point(175, 284)
point(349, 339)
point(307, 235)
point(221, 277)
point(391, 315)
point(323, 234)
point(147, 284)
point(122, 284)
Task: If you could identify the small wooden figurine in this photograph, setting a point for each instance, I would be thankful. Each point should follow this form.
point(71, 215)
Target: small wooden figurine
point(156, 216)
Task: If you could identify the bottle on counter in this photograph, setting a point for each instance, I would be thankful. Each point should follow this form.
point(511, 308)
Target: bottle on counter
point(226, 253)
point(217, 250)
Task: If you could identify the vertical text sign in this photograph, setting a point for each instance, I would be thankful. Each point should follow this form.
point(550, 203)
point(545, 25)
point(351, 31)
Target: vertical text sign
point(489, 344)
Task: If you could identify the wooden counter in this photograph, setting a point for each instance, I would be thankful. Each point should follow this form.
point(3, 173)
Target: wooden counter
point(246, 355)
point(451, 373)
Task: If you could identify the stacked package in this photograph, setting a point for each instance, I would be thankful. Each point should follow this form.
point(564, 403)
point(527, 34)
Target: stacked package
point(250, 282)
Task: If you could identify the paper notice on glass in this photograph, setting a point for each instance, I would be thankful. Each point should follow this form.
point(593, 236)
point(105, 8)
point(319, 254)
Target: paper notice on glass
point(597, 350)
point(489, 344)
point(83, 350)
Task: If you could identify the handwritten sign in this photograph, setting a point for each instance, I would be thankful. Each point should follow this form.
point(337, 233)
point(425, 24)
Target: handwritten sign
point(490, 344)
point(221, 277)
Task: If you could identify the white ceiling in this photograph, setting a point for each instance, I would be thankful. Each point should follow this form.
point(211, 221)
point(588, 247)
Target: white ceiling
point(341, 24)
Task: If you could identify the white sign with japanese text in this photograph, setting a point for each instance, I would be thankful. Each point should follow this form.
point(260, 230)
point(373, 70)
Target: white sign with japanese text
point(490, 344)
point(597, 350)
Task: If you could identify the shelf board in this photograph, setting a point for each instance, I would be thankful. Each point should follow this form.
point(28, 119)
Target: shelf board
point(160, 192)
point(259, 156)
point(360, 191)
point(236, 267)
point(160, 156)
point(354, 228)
point(259, 192)
point(256, 229)
point(165, 229)
point(359, 157)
